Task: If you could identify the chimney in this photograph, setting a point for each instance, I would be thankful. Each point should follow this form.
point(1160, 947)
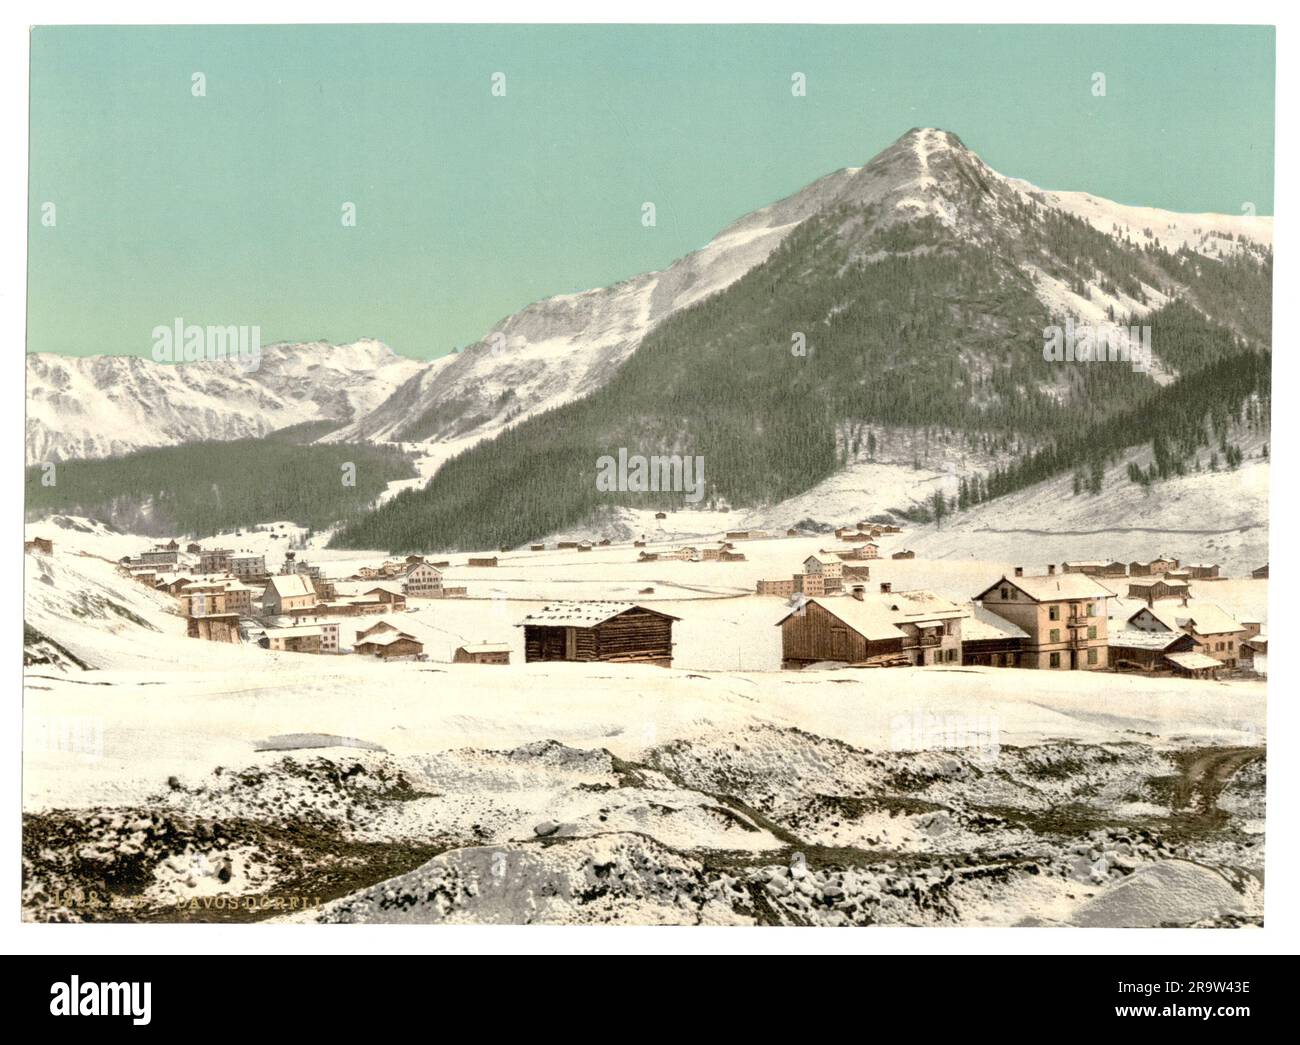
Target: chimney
point(886, 587)
point(1020, 571)
point(859, 591)
point(1051, 570)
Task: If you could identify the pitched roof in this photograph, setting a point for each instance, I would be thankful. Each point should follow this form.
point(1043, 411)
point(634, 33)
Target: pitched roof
point(1150, 582)
point(583, 614)
point(868, 619)
point(878, 615)
point(287, 585)
point(387, 639)
point(1205, 617)
point(1055, 587)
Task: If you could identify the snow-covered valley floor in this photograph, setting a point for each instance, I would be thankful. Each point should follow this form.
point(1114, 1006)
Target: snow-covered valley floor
point(180, 780)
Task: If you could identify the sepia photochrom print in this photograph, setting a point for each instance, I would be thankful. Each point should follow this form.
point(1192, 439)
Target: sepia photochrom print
point(713, 475)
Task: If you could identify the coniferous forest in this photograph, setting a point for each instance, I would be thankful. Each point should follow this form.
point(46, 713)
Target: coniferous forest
point(199, 489)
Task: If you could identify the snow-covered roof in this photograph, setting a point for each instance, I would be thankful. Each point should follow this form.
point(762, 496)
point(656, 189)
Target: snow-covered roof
point(486, 647)
point(918, 605)
point(1205, 617)
point(388, 638)
point(1151, 582)
point(287, 585)
point(1193, 661)
point(583, 614)
point(868, 619)
point(985, 624)
point(302, 630)
point(878, 615)
point(1054, 587)
point(1135, 638)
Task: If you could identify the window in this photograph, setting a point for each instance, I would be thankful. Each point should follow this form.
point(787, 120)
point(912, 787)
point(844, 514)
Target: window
point(1053, 660)
point(1092, 655)
point(1053, 612)
point(1054, 636)
point(1092, 631)
point(1092, 609)
point(1006, 593)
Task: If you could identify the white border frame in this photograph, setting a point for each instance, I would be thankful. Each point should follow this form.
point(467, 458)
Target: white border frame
point(1282, 914)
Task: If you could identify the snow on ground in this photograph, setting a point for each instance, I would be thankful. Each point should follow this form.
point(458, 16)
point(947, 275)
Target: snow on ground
point(163, 723)
point(1208, 233)
point(1201, 517)
point(178, 775)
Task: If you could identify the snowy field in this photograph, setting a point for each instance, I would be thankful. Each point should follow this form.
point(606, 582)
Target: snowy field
point(196, 780)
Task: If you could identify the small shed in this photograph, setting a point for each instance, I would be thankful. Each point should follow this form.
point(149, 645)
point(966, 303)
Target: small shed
point(482, 653)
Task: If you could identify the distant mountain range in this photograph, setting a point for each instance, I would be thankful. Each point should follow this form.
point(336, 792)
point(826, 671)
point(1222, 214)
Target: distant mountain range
point(920, 284)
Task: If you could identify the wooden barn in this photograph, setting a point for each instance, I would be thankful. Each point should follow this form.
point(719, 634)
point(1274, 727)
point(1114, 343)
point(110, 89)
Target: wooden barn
point(618, 632)
point(389, 645)
point(1149, 651)
point(843, 630)
point(1158, 588)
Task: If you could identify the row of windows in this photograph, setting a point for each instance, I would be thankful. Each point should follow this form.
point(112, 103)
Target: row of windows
point(1055, 634)
point(1054, 611)
point(1054, 659)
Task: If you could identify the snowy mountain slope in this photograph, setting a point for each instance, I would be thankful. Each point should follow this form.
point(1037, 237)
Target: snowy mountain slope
point(563, 348)
point(560, 349)
point(1207, 516)
point(924, 282)
point(96, 406)
point(1209, 234)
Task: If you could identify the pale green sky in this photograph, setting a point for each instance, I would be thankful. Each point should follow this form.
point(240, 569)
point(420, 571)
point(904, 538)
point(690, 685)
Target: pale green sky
point(226, 208)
